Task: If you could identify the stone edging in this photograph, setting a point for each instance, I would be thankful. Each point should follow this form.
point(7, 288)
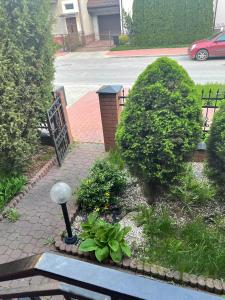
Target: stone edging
point(40, 174)
point(202, 283)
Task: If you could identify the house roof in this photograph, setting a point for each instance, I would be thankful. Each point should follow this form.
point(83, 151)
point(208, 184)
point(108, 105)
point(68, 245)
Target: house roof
point(102, 3)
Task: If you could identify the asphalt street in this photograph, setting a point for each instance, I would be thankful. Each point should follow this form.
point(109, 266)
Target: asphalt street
point(80, 72)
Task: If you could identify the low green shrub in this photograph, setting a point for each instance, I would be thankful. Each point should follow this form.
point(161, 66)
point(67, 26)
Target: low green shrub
point(12, 215)
point(216, 150)
point(115, 159)
point(161, 124)
point(190, 190)
point(101, 189)
point(193, 248)
point(9, 187)
point(104, 239)
point(123, 39)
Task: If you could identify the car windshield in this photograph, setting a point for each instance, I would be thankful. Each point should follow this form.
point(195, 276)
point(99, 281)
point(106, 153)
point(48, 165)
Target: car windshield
point(213, 36)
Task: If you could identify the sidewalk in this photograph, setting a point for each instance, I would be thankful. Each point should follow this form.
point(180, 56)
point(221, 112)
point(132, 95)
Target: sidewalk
point(149, 52)
point(41, 219)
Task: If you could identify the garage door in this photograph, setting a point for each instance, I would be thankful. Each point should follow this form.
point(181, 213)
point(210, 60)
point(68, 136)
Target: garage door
point(109, 24)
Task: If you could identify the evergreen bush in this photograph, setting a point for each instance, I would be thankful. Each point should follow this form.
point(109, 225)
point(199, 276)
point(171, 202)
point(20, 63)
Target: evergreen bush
point(161, 124)
point(26, 74)
point(175, 22)
point(216, 149)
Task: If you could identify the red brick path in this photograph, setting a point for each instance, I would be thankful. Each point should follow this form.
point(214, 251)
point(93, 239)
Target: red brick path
point(85, 119)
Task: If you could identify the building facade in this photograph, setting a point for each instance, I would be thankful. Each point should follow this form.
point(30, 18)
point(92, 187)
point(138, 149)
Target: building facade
point(80, 22)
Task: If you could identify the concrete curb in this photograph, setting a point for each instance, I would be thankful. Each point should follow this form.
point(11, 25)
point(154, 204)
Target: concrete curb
point(40, 174)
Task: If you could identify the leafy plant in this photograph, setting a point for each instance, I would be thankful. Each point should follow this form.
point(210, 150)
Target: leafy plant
point(12, 215)
point(9, 187)
point(104, 239)
point(194, 247)
point(123, 39)
point(190, 190)
point(101, 189)
point(161, 124)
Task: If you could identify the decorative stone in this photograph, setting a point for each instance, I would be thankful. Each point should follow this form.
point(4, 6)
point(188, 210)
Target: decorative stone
point(126, 263)
point(1, 218)
point(80, 253)
point(161, 273)
point(147, 268)
point(140, 267)
point(69, 249)
point(218, 286)
point(14, 203)
point(209, 285)
point(57, 244)
point(177, 276)
point(223, 285)
point(75, 250)
point(193, 280)
point(62, 247)
point(154, 270)
point(201, 282)
point(169, 275)
point(185, 278)
point(133, 265)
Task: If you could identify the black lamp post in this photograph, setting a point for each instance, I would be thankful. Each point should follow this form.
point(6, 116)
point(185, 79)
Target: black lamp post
point(60, 194)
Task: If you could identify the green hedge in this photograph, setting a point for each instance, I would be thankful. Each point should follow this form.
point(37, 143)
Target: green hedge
point(171, 22)
point(26, 74)
point(161, 124)
point(216, 149)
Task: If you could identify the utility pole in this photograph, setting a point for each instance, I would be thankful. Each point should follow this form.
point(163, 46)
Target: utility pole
point(121, 12)
point(81, 22)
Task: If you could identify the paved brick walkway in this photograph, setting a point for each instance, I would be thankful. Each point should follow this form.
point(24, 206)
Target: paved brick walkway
point(40, 218)
point(85, 119)
point(149, 52)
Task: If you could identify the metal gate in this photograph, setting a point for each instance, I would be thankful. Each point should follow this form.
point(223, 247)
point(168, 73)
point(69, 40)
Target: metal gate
point(58, 128)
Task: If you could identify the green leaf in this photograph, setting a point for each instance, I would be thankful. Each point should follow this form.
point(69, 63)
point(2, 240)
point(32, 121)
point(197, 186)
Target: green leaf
point(114, 245)
point(126, 249)
point(88, 245)
point(102, 253)
point(116, 255)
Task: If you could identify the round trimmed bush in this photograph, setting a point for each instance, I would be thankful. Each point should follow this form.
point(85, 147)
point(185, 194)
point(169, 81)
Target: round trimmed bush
point(216, 149)
point(161, 124)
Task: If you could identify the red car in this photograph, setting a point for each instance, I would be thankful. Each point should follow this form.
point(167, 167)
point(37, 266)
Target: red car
point(211, 47)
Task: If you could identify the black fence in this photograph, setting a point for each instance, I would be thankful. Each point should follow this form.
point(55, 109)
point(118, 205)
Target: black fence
point(211, 101)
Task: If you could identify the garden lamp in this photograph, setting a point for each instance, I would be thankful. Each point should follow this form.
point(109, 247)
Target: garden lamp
point(60, 194)
point(202, 146)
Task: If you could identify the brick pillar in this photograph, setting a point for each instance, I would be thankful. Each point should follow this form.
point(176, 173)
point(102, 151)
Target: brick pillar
point(109, 102)
point(59, 91)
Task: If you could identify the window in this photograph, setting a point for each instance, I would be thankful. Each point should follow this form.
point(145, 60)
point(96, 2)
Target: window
point(69, 6)
point(221, 38)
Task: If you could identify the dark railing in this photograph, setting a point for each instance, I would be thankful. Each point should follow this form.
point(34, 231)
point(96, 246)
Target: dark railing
point(82, 280)
point(211, 102)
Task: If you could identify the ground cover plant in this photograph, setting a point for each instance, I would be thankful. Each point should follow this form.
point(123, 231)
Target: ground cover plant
point(193, 247)
point(105, 239)
point(9, 187)
point(101, 189)
point(161, 124)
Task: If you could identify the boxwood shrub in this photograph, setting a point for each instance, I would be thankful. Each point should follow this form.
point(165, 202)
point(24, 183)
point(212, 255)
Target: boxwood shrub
point(216, 149)
point(101, 189)
point(161, 124)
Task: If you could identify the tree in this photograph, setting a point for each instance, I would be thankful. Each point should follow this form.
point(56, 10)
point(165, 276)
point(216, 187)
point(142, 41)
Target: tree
point(26, 74)
point(161, 124)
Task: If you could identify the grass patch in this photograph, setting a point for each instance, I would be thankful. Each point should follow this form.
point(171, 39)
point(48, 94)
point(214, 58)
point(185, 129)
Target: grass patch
point(10, 187)
point(115, 159)
point(12, 215)
point(134, 47)
point(193, 248)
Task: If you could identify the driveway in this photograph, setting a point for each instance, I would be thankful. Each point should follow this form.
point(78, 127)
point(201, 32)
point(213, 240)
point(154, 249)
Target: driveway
point(81, 72)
